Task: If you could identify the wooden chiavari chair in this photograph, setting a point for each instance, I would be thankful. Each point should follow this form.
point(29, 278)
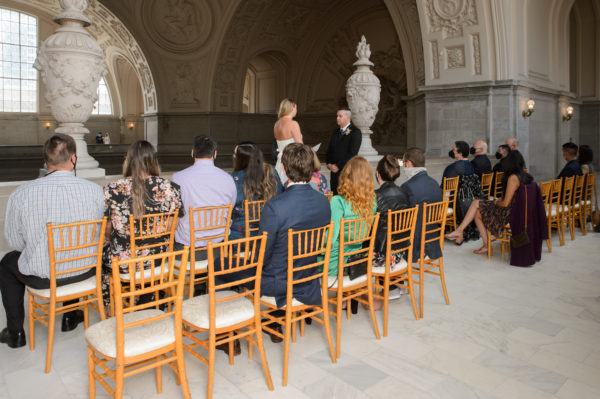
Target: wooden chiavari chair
point(354, 233)
point(400, 234)
point(140, 336)
point(73, 248)
point(566, 204)
point(579, 202)
point(498, 189)
point(553, 212)
point(224, 314)
point(546, 188)
point(252, 212)
point(486, 184)
point(432, 230)
point(450, 190)
point(303, 248)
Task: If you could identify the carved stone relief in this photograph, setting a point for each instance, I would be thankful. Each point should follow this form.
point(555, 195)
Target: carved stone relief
point(184, 85)
point(450, 16)
point(476, 54)
point(455, 57)
point(177, 25)
point(435, 59)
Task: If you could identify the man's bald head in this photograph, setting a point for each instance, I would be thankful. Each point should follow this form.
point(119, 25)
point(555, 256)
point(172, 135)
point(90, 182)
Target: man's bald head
point(481, 147)
point(513, 143)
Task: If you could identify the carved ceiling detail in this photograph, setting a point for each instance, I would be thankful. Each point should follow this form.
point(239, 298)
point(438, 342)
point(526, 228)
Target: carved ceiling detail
point(476, 54)
point(450, 16)
point(455, 57)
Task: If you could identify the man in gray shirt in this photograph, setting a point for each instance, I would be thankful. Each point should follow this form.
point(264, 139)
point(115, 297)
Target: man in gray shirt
point(58, 198)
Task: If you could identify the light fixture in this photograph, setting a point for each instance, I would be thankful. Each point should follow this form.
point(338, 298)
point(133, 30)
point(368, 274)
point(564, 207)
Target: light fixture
point(130, 125)
point(530, 108)
point(48, 125)
point(569, 113)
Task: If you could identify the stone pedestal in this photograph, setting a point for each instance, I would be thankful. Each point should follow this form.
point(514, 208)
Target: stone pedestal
point(362, 93)
point(71, 64)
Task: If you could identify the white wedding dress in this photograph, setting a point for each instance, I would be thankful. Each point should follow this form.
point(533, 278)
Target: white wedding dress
point(281, 144)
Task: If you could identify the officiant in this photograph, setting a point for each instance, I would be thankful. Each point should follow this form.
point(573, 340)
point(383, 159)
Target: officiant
point(344, 144)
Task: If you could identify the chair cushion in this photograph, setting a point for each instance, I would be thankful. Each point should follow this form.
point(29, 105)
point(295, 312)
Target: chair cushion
point(333, 283)
point(395, 267)
point(69, 289)
point(147, 274)
point(199, 265)
point(271, 301)
point(195, 310)
point(139, 339)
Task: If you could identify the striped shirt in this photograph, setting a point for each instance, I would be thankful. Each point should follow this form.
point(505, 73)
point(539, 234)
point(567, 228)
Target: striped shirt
point(58, 198)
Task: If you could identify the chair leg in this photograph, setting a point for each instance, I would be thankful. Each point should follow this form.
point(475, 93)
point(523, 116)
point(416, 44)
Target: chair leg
point(489, 244)
point(91, 379)
point(31, 322)
point(421, 276)
point(411, 291)
point(261, 351)
point(293, 331)
point(371, 309)
point(158, 372)
point(86, 314)
point(182, 376)
point(51, 323)
point(386, 305)
point(328, 329)
point(211, 366)
point(119, 375)
point(338, 328)
point(443, 280)
point(231, 350)
point(286, 345)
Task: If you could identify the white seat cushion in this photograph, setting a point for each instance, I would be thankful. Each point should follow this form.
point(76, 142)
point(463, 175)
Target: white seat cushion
point(147, 274)
point(271, 301)
point(195, 310)
point(333, 283)
point(199, 265)
point(395, 267)
point(69, 289)
point(139, 339)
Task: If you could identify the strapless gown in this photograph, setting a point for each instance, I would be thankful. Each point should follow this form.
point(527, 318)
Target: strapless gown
point(281, 144)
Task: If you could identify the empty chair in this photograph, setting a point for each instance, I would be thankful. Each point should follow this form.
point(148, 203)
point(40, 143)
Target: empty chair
point(252, 211)
point(545, 189)
point(450, 190)
point(553, 212)
point(566, 204)
point(579, 203)
point(498, 189)
point(486, 184)
point(74, 248)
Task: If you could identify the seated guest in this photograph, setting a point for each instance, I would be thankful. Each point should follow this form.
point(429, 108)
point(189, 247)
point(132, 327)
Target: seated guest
point(355, 199)
point(59, 198)
point(317, 180)
point(512, 143)
point(459, 152)
point(420, 188)
point(501, 154)
point(493, 215)
point(585, 158)
point(389, 197)
point(481, 163)
point(254, 180)
point(202, 184)
point(572, 168)
point(140, 191)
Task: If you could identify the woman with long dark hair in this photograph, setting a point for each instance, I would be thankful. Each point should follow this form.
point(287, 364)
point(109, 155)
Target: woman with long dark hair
point(493, 215)
point(254, 180)
point(140, 191)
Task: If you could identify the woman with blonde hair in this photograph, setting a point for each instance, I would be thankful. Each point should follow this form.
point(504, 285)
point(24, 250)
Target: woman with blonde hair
point(286, 131)
point(140, 191)
point(355, 199)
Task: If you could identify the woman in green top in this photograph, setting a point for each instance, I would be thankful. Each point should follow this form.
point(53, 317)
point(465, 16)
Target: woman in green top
point(355, 199)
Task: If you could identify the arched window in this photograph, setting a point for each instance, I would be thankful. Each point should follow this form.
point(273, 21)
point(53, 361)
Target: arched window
point(103, 106)
point(18, 47)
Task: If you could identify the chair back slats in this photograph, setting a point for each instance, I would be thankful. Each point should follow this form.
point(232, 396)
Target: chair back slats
point(304, 247)
point(400, 234)
point(590, 182)
point(578, 189)
point(74, 247)
point(212, 222)
point(567, 191)
point(486, 183)
point(434, 223)
point(498, 190)
point(252, 212)
point(152, 231)
point(359, 231)
point(450, 187)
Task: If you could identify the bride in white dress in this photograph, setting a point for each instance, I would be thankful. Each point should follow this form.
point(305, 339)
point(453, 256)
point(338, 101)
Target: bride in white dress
point(286, 131)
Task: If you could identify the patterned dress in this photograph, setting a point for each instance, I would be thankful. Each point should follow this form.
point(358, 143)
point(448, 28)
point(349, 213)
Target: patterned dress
point(494, 217)
point(163, 196)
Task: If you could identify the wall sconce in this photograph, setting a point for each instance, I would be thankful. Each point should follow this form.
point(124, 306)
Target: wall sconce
point(48, 125)
point(530, 108)
point(130, 125)
point(569, 114)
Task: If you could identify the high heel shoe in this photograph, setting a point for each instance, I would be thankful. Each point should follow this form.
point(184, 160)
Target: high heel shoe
point(455, 237)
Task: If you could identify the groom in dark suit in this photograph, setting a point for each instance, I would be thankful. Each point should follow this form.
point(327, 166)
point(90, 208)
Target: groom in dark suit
point(344, 144)
point(299, 207)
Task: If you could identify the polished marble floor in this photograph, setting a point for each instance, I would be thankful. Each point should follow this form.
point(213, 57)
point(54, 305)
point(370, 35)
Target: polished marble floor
point(508, 333)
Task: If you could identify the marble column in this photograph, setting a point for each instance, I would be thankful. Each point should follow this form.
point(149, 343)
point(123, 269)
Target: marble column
point(362, 93)
point(71, 64)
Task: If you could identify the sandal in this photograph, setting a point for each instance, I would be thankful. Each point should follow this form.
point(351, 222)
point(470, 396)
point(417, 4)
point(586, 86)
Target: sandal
point(482, 250)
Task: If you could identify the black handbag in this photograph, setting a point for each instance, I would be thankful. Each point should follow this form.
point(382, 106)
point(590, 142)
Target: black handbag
point(521, 239)
point(356, 270)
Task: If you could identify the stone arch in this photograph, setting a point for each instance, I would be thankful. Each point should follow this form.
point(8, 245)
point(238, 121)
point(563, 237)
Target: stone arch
point(269, 72)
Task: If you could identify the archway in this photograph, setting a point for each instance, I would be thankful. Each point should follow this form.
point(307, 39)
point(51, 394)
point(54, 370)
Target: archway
point(266, 83)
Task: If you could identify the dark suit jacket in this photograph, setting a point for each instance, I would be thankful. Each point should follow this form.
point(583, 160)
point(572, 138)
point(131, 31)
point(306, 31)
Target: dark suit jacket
point(299, 207)
point(481, 164)
point(422, 188)
point(342, 147)
point(572, 168)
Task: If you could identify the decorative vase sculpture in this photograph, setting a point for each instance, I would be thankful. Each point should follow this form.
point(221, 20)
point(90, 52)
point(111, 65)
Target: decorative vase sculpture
point(71, 64)
point(362, 93)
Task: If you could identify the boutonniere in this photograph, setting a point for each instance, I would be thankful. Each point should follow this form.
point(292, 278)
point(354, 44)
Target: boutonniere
point(347, 132)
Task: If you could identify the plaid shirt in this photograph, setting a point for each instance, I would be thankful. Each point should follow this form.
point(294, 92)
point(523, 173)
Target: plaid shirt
point(58, 198)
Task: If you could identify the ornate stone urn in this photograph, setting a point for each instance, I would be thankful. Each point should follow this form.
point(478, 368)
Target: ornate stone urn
point(71, 64)
point(362, 93)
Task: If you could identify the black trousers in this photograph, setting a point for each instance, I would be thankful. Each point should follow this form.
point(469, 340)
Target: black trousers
point(333, 182)
point(12, 287)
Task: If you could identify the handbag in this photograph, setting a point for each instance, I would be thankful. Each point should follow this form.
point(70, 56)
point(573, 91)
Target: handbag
point(521, 239)
point(357, 270)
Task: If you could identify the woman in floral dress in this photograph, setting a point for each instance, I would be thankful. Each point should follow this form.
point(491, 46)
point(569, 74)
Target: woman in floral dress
point(140, 192)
